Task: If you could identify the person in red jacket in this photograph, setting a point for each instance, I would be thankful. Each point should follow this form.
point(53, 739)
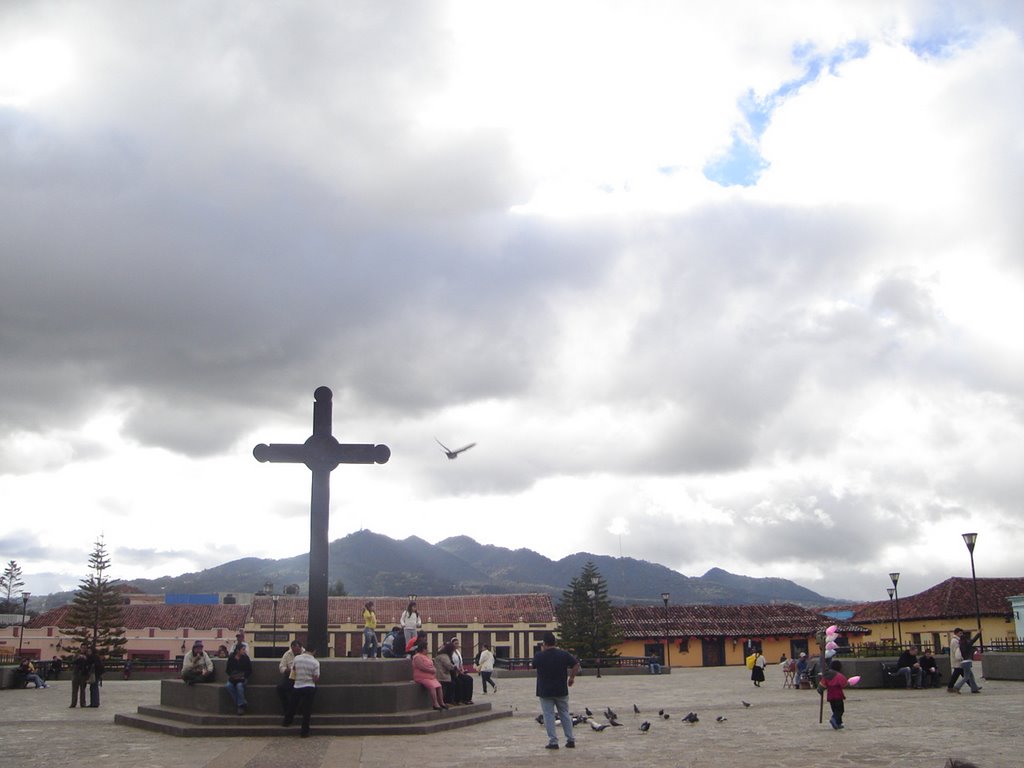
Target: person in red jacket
point(833, 684)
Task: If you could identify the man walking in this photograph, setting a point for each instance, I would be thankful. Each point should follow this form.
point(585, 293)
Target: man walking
point(556, 671)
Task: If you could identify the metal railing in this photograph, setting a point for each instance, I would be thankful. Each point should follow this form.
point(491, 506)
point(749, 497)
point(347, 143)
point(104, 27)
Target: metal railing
point(612, 662)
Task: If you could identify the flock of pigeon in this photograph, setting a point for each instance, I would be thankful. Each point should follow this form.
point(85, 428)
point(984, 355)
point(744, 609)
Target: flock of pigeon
point(612, 719)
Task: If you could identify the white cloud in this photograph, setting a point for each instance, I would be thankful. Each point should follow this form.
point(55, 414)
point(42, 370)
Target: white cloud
point(481, 226)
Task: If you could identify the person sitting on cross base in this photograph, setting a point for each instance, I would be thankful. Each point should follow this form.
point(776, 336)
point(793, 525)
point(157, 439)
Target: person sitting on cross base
point(462, 681)
point(393, 645)
point(287, 681)
point(908, 667)
point(239, 670)
point(197, 666)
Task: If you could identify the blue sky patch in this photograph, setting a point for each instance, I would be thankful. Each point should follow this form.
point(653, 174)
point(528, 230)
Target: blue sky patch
point(742, 164)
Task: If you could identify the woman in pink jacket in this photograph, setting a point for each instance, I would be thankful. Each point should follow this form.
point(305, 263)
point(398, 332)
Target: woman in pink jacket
point(424, 673)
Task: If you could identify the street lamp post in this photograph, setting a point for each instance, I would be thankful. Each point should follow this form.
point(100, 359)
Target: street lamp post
point(892, 613)
point(895, 576)
point(970, 539)
point(668, 647)
point(24, 608)
point(592, 594)
point(273, 632)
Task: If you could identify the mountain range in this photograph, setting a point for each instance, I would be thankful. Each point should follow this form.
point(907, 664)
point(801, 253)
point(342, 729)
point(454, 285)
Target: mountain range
point(372, 564)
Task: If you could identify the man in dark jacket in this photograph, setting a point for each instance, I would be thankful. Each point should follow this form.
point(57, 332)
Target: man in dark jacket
point(930, 675)
point(908, 666)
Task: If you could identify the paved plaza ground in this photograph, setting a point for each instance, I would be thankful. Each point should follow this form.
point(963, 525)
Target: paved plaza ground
point(905, 728)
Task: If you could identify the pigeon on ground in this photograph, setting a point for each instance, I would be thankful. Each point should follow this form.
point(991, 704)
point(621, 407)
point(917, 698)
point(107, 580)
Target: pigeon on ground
point(665, 716)
point(598, 726)
point(745, 703)
point(636, 710)
point(645, 726)
point(614, 722)
point(721, 718)
point(610, 714)
point(587, 710)
point(661, 712)
point(691, 718)
point(539, 719)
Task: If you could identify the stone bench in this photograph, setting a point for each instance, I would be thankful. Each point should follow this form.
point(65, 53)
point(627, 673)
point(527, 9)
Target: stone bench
point(871, 669)
point(1002, 666)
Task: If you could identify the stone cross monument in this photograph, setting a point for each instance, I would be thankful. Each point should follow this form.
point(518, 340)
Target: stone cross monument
point(321, 453)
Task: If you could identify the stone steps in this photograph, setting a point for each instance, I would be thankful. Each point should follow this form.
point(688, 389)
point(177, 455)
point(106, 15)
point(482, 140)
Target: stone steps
point(177, 721)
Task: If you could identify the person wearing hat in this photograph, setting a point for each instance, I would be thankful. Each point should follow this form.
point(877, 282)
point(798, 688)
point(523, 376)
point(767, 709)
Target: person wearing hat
point(801, 669)
point(197, 666)
point(239, 643)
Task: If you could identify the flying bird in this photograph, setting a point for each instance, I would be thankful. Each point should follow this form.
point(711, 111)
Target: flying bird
point(453, 454)
point(645, 726)
point(598, 726)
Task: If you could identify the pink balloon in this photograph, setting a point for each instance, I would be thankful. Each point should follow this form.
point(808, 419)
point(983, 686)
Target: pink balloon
point(854, 680)
point(830, 646)
point(832, 630)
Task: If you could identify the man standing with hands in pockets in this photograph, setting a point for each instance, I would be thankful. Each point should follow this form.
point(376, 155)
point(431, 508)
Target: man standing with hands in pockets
point(556, 671)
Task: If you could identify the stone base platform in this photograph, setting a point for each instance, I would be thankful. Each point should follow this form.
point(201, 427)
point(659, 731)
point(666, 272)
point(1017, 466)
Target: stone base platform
point(356, 697)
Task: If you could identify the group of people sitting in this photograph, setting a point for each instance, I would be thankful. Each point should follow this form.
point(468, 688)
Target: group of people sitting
point(300, 671)
point(444, 676)
point(917, 671)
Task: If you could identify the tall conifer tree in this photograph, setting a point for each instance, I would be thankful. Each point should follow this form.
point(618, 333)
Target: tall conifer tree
point(585, 621)
point(95, 615)
point(10, 587)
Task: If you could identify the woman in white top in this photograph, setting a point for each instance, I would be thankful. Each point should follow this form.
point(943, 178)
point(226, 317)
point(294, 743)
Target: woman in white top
point(486, 667)
point(410, 621)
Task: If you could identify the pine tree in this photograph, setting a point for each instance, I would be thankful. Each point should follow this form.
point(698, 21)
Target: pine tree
point(10, 584)
point(585, 616)
point(95, 615)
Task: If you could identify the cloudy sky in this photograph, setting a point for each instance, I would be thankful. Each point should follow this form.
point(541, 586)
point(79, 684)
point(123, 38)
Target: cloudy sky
point(728, 284)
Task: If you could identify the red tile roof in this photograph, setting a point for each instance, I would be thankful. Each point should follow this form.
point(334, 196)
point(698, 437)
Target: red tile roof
point(952, 598)
point(740, 621)
point(462, 609)
point(162, 616)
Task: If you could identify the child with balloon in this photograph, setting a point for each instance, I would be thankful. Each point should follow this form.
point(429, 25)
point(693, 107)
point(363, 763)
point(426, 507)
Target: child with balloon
point(833, 682)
